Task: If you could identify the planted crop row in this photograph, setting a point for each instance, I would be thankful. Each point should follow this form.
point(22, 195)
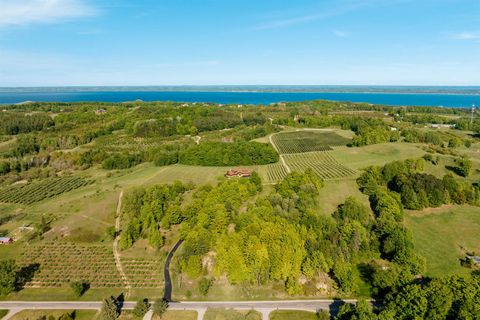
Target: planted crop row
point(275, 172)
point(144, 273)
point(37, 191)
point(307, 141)
point(324, 164)
point(59, 264)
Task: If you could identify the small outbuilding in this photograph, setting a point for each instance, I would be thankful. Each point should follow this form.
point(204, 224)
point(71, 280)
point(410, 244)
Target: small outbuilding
point(240, 173)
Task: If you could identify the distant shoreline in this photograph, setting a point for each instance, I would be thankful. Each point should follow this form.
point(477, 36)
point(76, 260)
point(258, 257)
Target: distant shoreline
point(450, 90)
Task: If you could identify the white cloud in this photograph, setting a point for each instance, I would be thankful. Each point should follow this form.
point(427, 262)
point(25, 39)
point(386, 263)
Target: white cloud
point(340, 34)
point(466, 36)
point(25, 12)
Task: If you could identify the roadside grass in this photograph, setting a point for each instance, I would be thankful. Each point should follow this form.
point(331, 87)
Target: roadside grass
point(177, 315)
point(3, 313)
point(61, 294)
point(443, 235)
point(231, 314)
point(292, 315)
point(37, 314)
point(377, 154)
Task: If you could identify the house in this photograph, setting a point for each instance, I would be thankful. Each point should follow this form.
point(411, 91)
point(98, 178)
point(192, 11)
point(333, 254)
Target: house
point(5, 240)
point(100, 111)
point(240, 173)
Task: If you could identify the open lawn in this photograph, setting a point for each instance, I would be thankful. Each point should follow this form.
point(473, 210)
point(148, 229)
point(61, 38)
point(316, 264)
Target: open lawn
point(36, 314)
point(443, 236)
point(292, 315)
point(378, 154)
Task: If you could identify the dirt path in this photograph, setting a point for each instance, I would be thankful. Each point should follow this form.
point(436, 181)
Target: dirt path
point(279, 154)
point(118, 262)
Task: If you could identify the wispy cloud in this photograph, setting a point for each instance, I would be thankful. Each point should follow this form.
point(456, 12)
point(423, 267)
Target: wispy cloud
point(466, 36)
point(26, 12)
point(340, 34)
point(331, 9)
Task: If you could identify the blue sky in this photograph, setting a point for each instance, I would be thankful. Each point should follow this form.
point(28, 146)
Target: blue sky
point(193, 42)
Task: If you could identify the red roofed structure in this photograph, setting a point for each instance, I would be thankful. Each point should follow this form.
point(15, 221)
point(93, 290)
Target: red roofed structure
point(240, 173)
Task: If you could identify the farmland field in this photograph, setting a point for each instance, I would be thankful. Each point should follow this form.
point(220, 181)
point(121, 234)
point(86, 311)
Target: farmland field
point(56, 265)
point(275, 173)
point(442, 236)
point(323, 163)
point(377, 154)
point(307, 141)
point(144, 273)
point(37, 191)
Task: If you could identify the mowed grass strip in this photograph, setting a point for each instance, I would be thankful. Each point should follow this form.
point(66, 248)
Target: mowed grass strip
point(442, 236)
point(292, 315)
point(39, 314)
point(322, 163)
point(307, 141)
point(177, 315)
point(231, 314)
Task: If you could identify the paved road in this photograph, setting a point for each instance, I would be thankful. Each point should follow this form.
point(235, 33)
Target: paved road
point(166, 272)
point(264, 307)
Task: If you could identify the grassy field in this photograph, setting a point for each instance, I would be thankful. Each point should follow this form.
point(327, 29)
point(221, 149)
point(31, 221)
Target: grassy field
point(443, 236)
point(36, 314)
point(378, 154)
point(292, 315)
point(335, 192)
point(230, 314)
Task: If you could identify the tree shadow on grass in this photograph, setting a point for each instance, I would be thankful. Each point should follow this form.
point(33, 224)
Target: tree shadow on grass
point(335, 306)
point(25, 275)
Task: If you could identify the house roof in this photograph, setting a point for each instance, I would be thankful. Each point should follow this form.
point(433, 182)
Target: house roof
point(3, 239)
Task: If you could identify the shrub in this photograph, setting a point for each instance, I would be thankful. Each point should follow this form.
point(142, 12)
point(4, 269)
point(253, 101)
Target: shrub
point(141, 308)
point(78, 288)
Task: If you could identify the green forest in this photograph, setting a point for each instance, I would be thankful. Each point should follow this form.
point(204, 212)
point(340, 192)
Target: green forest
point(325, 212)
